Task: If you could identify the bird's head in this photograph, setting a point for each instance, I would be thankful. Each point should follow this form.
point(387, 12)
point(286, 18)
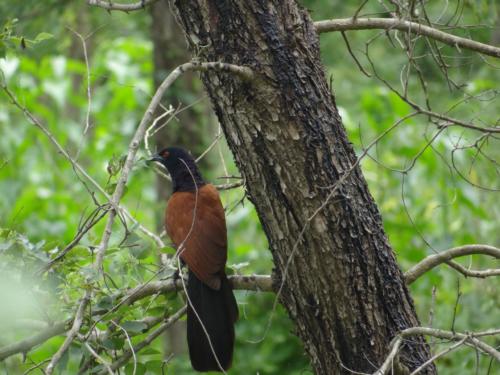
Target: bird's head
point(181, 166)
point(173, 158)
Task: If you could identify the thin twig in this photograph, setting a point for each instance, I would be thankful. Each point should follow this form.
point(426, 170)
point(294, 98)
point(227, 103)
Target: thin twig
point(89, 91)
point(469, 338)
point(438, 355)
point(77, 166)
point(99, 358)
point(129, 344)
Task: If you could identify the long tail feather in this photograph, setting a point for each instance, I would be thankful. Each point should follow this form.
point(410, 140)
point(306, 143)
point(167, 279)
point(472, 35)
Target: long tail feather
point(218, 311)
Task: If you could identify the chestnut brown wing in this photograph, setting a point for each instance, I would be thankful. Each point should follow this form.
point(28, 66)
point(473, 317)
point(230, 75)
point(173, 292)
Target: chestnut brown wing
point(198, 229)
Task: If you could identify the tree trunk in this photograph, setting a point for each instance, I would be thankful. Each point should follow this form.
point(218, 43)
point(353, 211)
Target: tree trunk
point(343, 288)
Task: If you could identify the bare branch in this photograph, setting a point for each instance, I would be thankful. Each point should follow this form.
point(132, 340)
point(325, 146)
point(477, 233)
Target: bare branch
point(389, 361)
point(449, 121)
point(439, 355)
point(469, 338)
point(446, 256)
point(89, 91)
point(243, 72)
point(110, 5)
point(99, 358)
point(474, 273)
point(77, 323)
point(455, 336)
point(344, 24)
point(258, 283)
point(230, 186)
point(348, 45)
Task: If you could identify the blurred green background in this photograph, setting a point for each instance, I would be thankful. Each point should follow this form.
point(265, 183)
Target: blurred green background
point(445, 199)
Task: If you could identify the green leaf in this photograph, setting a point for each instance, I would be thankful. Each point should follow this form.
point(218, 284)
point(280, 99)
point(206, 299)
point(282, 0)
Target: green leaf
point(43, 36)
point(167, 250)
point(140, 369)
point(97, 369)
point(134, 326)
point(105, 303)
point(150, 351)
point(139, 248)
point(114, 343)
point(154, 366)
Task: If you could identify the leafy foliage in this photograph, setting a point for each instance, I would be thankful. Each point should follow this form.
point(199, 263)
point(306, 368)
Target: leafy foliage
point(44, 201)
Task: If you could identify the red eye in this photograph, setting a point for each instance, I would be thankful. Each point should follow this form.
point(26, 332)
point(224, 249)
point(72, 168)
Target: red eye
point(165, 154)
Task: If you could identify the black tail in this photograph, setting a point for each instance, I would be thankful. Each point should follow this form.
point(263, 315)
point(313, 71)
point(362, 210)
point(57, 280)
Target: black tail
point(218, 311)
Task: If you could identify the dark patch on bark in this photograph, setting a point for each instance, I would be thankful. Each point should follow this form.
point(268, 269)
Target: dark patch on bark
point(344, 290)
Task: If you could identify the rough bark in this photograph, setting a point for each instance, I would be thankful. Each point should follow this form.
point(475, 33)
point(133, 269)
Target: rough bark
point(343, 288)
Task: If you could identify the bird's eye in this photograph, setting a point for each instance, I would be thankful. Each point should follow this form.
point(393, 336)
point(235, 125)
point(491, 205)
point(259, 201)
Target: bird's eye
point(165, 154)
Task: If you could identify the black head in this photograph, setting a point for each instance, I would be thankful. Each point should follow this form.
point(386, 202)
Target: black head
point(182, 168)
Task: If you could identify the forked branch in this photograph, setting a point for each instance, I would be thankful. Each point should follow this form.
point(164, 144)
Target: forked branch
point(250, 283)
point(446, 256)
point(344, 24)
point(470, 339)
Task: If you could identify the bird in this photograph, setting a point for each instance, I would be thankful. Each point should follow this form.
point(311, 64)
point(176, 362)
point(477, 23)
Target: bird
point(196, 224)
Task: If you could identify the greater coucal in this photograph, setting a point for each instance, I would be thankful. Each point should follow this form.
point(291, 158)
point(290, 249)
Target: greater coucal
point(195, 222)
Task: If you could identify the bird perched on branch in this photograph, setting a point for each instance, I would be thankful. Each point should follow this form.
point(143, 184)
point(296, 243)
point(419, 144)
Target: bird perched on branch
point(196, 224)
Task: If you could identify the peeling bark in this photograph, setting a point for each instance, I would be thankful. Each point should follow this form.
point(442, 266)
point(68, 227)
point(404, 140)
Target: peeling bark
point(343, 290)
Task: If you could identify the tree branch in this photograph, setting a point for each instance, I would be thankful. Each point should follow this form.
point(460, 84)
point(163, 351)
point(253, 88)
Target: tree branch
point(469, 338)
point(99, 358)
point(26, 345)
point(251, 283)
point(77, 323)
point(243, 72)
point(344, 24)
point(115, 200)
point(75, 164)
point(109, 5)
point(438, 355)
point(446, 256)
point(258, 283)
point(474, 273)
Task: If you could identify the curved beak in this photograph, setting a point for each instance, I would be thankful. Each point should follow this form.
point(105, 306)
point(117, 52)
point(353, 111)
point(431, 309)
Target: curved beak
point(156, 157)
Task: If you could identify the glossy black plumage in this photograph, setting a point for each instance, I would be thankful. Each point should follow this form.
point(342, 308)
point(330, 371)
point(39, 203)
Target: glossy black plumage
point(218, 311)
